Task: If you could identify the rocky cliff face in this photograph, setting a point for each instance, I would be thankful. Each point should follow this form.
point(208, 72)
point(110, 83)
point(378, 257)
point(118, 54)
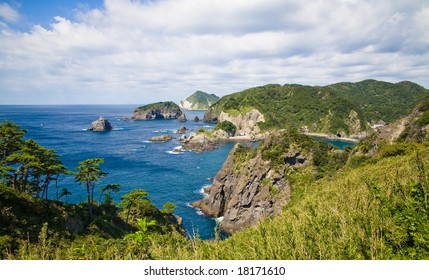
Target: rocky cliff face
point(249, 188)
point(102, 124)
point(246, 123)
point(160, 110)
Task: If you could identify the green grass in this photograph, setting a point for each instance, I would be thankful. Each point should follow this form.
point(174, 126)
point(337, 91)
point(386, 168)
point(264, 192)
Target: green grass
point(369, 212)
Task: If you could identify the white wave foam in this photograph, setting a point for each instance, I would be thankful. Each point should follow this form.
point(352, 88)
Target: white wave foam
point(147, 141)
point(118, 128)
point(202, 192)
point(219, 220)
point(198, 211)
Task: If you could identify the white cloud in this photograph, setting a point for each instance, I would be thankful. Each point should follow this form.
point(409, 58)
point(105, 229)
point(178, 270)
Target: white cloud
point(8, 13)
point(139, 52)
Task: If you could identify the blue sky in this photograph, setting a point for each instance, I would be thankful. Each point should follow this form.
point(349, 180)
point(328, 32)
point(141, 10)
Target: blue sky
point(133, 51)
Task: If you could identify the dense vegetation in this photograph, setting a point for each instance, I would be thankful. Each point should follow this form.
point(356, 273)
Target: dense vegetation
point(340, 108)
point(159, 105)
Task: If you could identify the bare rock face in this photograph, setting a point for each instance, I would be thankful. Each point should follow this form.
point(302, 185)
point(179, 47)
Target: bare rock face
point(245, 194)
point(102, 124)
point(246, 123)
point(162, 138)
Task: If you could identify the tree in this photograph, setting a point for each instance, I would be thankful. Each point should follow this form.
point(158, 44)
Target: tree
point(133, 201)
point(65, 192)
point(10, 139)
point(107, 192)
point(88, 175)
point(169, 208)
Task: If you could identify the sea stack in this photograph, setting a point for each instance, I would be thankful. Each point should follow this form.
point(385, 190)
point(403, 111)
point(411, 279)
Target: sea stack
point(102, 124)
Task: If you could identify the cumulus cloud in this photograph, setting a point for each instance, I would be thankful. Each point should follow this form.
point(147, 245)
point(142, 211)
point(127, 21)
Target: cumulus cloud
point(143, 51)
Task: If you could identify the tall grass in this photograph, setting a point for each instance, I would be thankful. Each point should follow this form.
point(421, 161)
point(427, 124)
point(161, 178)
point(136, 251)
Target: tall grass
point(348, 216)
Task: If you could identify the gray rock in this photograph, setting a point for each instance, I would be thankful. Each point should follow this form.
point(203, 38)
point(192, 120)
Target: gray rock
point(102, 124)
point(162, 138)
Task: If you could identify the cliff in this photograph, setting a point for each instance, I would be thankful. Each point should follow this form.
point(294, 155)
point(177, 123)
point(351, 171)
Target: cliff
point(160, 110)
point(254, 183)
point(199, 100)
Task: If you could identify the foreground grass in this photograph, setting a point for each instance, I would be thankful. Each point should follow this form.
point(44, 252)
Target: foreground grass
point(376, 211)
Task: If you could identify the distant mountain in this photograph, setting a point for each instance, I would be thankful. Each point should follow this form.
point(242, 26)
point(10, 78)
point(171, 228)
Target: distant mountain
point(344, 108)
point(199, 101)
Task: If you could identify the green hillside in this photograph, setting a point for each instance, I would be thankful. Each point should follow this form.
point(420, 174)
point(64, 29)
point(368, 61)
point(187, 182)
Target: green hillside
point(199, 100)
point(340, 108)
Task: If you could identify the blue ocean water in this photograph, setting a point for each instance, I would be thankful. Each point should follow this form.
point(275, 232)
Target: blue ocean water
point(130, 159)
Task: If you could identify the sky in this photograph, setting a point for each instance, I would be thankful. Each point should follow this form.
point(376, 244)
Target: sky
point(139, 52)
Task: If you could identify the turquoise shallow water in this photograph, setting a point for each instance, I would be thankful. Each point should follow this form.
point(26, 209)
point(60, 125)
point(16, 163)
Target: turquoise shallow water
point(130, 159)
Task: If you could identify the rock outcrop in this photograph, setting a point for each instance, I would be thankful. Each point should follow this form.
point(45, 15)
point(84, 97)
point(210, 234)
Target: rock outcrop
point(160, 110)
point(200, 142)
point(199, 101)
point(182, 118)
point(181, 130)
point(162, 138)
point(244, 192)
point(102, 124)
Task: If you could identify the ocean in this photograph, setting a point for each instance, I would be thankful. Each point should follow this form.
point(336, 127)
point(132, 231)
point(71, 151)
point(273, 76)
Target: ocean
point(130, 159)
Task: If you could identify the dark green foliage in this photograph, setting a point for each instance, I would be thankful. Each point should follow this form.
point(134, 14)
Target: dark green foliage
point(226, 126)
point(325, 109)
point(158, 105)
point(409, 208)
point(381, 100)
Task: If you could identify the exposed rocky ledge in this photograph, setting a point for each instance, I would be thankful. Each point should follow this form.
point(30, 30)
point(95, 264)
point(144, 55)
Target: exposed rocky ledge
point(162, 138)
point(160, 110)
point(102, 124)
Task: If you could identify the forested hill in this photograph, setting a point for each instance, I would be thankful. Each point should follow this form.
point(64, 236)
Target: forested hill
point(344, 108)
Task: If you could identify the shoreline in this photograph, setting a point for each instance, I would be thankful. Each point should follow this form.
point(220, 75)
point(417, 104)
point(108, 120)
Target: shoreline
point(332, 137)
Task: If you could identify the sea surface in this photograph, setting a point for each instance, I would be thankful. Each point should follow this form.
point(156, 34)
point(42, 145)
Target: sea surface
point(130, 159)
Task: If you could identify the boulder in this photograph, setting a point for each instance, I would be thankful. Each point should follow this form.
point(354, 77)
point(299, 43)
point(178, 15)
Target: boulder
point(196, 119)
point(102, 124)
